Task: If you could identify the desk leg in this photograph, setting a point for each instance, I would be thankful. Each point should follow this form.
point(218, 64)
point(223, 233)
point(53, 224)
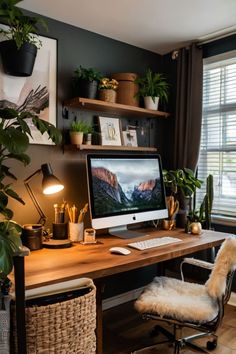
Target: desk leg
point(20, 303)
point(99, 331)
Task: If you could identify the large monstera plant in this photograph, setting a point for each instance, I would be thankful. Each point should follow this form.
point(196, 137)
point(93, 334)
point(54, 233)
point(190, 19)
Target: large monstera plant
point(14, 141)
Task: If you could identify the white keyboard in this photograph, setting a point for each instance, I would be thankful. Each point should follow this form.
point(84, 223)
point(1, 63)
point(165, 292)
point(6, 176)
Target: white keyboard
point(154, 242)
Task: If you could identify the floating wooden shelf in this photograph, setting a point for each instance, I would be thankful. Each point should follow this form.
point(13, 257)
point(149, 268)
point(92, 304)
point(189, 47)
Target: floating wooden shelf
point(114, 148)
point(113, 108)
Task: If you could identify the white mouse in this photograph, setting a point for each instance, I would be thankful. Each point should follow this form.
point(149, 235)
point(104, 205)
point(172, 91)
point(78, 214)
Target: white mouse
point(120, 250)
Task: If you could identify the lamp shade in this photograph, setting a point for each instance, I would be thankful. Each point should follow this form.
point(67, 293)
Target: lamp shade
point(50, 183)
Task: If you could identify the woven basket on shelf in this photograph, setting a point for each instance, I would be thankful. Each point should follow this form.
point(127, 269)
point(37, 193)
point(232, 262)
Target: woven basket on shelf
point(107, 95)
point(64, 327)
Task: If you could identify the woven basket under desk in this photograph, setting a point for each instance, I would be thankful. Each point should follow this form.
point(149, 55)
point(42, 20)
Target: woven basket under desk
point(64, 327)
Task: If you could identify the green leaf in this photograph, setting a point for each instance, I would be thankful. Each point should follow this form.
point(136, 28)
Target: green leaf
point(10, 243)
point(15, 141)
point(44, 126)
point(14, 195)
point(7, 213)
point(24, 126)
point(4, 170)
point(3, 200)
point(8, 113)
point(20, 157)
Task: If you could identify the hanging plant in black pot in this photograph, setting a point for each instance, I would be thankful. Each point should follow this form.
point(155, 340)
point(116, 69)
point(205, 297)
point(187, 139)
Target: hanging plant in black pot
point(19, 50)
point(86, 82)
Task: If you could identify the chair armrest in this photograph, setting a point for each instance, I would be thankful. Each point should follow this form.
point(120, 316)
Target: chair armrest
point(197, 263)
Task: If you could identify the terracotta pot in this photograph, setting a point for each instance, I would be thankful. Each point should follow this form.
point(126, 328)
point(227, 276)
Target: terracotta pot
point(107, 95)
point(76, 138)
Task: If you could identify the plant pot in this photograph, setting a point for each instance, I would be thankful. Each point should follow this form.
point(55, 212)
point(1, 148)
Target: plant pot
point(149, 104)
point(87, 89)
point(88, 139)
point(107, 95)
point(76, 138)
point(127, 88)
point(18, 62)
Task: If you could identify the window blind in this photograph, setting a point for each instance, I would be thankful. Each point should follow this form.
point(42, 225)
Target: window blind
point(218, 137)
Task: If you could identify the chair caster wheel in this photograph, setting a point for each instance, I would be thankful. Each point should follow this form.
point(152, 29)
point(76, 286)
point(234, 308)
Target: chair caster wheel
point(211, 345)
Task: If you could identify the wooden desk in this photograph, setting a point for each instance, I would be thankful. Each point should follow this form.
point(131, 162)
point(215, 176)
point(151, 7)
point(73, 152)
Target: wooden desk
point(49, 266)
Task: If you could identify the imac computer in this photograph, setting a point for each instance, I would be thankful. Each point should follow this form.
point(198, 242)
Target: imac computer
point(123, 190)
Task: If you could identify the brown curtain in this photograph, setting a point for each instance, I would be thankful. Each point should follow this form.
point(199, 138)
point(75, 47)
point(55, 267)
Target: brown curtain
point(188, 118)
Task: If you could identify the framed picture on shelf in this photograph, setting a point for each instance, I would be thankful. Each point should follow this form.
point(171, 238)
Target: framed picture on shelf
point(130, 137)
point(110, 131)
point(36, 93)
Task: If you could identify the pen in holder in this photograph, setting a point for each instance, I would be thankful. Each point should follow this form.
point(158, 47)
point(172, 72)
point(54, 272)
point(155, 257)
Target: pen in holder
point(76, 223)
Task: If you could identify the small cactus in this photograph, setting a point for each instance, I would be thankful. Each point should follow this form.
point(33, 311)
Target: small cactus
point(206, 206)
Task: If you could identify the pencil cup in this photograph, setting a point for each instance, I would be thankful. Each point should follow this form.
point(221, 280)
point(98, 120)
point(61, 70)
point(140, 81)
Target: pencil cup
point(59, 231)
point(76, 231)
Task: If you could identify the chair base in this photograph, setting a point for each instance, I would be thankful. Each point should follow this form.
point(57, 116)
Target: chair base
point(181, 342)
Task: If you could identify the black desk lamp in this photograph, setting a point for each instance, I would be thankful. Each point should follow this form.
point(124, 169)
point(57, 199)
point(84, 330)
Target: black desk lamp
point(50, 185)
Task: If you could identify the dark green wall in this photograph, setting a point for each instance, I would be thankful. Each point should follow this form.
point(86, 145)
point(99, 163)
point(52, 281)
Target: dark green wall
point(80, 47)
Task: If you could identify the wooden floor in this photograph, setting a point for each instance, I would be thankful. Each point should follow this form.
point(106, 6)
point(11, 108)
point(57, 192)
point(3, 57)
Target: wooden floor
point(125, 332)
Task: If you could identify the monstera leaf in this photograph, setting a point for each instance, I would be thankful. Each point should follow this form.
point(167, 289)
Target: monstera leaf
point(10, 243)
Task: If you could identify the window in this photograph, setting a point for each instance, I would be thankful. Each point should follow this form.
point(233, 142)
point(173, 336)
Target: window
point(218, 138)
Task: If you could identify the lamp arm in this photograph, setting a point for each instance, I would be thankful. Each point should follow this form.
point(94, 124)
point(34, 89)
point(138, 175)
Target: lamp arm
point(43, 217)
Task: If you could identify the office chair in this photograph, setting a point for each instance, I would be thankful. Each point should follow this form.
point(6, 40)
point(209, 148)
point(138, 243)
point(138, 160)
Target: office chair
point(183, 304)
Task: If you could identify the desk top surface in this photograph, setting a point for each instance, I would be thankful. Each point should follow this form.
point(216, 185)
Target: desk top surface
point(49, 266)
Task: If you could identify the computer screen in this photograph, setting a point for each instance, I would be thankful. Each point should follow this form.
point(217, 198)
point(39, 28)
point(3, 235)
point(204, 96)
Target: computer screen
point(125, 189)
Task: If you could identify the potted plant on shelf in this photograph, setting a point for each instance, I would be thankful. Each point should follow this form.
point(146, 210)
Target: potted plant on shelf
point(86, 82)
point(19, 50)
point(77, 131)
point(152, 87)
point(14, 141)
point(107, 89)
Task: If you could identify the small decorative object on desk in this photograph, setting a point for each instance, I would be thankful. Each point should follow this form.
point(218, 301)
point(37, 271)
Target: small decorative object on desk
point(173, 208)
point(107, 89)
point(195, 228)
point(76, 222)
point(89, 236)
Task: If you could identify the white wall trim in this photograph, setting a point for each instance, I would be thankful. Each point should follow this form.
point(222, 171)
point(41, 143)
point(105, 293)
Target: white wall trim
point(232, 300)
point(134, 294)
point(121, 299)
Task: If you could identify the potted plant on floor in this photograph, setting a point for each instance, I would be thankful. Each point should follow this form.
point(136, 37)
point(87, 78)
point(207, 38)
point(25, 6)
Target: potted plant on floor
point(14, 141)
point(86, 82)
point(19, 51)
point(77, 131)
point(153, 87)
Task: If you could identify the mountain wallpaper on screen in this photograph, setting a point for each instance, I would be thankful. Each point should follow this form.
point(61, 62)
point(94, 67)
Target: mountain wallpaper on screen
point(109, 196)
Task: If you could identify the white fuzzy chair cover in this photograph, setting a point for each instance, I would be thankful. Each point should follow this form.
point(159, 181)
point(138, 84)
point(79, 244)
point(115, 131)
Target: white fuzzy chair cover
point(190, 302)
point(224, 263)
point(178, 300)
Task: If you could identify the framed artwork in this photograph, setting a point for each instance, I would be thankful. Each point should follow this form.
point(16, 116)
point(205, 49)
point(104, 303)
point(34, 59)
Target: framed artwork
point(130, 137)
point(35, 93)
point(110, 131)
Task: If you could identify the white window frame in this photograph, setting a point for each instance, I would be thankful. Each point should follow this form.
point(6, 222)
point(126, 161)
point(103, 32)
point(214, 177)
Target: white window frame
point(223, 111)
